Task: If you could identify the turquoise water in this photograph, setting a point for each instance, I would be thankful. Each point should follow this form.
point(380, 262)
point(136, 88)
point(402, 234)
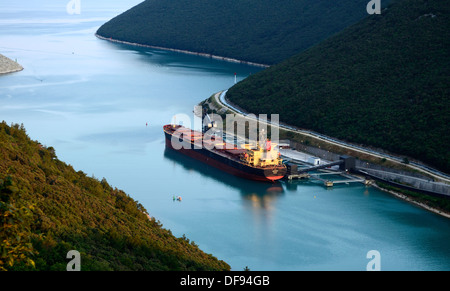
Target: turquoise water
point(92, 99)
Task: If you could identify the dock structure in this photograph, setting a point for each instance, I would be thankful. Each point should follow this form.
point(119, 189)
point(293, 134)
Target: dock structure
point(331, 183)
point(302, 169)
point(321, 166)
point(298, 176)
point(327, 182)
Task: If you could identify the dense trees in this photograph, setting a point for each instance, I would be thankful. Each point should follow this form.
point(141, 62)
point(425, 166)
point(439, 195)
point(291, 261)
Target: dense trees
point(384, 82)
point(47, 209)
point(260, 31)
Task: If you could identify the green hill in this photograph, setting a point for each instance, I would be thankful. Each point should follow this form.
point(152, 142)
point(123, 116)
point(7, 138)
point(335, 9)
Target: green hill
point(260, 31)
point(383, 82)
point(47, 209)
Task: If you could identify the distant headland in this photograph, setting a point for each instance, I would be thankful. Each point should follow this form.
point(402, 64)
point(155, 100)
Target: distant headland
point(8, 66)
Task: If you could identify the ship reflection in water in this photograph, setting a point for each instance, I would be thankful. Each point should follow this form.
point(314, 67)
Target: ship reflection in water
point(259, 194)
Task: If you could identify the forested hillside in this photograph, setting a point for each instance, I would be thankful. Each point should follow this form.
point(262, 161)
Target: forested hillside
point(262, 31)
point(47, 209)
point(383, 82)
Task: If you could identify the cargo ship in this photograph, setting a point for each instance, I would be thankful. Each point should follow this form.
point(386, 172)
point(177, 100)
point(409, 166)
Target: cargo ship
point(260, 161)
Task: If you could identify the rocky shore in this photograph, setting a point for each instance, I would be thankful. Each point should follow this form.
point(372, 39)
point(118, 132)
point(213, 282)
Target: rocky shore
point(8, 65)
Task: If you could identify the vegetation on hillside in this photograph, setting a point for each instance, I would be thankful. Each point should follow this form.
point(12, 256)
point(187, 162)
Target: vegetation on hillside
point(383, 82)
point(262, 31)
point(47, 209)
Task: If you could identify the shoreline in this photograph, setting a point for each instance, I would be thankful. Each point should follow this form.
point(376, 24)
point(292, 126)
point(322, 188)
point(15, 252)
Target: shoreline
point(411, 200)
point(407, 198)
point(206, 55)
point(8, 66)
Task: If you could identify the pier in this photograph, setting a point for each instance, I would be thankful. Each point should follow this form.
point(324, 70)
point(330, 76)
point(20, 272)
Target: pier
point(331, 183)
point(347, 178)
point(301, 166)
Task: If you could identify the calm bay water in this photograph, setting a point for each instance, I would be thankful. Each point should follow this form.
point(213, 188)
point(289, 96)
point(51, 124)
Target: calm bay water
point(91, 100)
